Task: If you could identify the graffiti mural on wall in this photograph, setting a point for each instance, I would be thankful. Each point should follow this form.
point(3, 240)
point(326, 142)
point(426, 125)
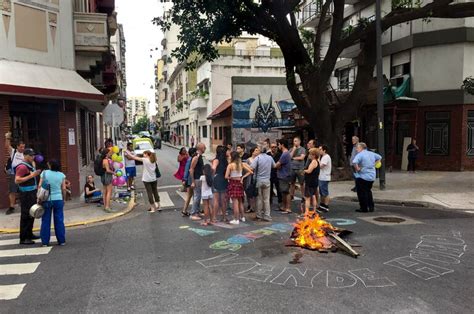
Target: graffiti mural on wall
point(262, 115)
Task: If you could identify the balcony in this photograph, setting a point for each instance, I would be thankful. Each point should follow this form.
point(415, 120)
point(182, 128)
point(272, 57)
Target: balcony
point(198, 103)
point(90, 32)
point(311, 14)
point(351, 52)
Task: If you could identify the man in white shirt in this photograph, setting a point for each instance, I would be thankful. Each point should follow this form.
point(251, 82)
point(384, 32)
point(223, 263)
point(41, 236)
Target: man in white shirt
point(16, 156)
point(324, 177)
point(130, 167)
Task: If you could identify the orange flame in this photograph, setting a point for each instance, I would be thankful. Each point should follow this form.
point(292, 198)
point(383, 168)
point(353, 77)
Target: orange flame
point(311, 232)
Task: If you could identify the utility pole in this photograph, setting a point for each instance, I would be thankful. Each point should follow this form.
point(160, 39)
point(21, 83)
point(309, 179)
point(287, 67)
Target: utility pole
point(380, 103)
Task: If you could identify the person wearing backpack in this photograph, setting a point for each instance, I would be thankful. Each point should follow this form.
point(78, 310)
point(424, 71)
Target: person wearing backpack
point(54, 204)
point(16, 157)
point(25, 177)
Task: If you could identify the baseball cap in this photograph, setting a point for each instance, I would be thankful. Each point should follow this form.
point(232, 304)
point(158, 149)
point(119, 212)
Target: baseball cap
point(29, 152)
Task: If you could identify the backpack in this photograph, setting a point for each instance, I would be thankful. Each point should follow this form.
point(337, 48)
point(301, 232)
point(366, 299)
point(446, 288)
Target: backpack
point(8, 166)
point(98, 167)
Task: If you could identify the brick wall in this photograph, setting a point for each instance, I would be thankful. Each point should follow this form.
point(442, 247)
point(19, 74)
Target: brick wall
point(467, 162)
point(4, 128)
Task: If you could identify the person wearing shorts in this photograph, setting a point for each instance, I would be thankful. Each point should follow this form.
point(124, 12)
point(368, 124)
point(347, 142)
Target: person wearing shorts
point(130, 167)
point(324, 177)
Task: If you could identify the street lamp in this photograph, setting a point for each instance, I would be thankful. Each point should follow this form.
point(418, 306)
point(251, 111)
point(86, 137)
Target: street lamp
point(380, 102)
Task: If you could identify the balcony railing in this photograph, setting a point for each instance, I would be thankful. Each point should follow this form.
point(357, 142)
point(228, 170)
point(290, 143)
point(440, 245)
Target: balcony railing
point(198, 103)
point(311, 13)
point(90, 32)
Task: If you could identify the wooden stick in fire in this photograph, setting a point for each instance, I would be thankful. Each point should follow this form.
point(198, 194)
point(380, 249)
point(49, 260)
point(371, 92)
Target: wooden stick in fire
point(343, 244)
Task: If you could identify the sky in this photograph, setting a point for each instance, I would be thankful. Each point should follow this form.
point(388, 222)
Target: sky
point(141, 36)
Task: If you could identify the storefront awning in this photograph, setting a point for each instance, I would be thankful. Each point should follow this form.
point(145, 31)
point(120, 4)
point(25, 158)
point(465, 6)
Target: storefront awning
point(25, 79)
point(220, 111)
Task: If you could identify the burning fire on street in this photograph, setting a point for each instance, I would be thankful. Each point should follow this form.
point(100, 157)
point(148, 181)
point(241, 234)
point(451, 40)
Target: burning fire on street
point(314, 233)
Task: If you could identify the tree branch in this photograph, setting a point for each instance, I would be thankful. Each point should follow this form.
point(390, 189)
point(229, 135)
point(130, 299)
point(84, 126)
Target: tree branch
point(319, 32)
point(334, 49)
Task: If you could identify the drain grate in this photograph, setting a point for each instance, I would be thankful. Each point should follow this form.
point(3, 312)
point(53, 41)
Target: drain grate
point(393, 220)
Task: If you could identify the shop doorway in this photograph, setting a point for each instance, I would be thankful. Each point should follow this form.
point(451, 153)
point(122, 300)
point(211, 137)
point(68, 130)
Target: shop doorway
point(36, 124)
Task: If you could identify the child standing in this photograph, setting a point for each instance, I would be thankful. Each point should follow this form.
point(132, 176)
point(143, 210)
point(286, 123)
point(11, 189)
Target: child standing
point(206, 194)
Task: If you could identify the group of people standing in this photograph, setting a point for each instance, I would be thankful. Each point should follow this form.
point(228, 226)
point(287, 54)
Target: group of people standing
point(247, 181)
point(24, 181)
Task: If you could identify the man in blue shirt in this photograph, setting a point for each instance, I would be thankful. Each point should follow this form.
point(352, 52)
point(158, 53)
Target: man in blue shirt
point(364, 165)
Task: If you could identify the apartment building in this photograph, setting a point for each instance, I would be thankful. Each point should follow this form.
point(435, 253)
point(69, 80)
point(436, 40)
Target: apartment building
point(47, 99)
point(137, 107)
point(424, 63)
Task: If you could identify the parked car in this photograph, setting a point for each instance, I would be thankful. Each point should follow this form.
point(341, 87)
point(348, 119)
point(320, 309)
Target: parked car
point(140, 145)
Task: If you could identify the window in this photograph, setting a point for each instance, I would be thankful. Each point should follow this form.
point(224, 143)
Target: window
point(204, 131)
point(437, 126)
point(344, 79)
point(470, 133)
point(220, 133)
point(215, 133)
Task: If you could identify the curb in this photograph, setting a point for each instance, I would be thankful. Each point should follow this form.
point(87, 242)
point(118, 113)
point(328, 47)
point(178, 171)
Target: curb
point(130, 207)
point(394, 202)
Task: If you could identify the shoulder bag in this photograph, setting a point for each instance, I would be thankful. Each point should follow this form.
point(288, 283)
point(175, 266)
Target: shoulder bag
point(157, 171)
point(44, 191)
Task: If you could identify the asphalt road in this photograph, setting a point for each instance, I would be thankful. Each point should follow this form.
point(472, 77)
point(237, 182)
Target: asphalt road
point(165, 263)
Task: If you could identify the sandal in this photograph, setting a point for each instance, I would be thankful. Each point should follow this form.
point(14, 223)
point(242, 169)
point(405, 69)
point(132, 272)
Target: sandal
point(204, 223)
point(184, 214)
point(286, 212)
point(151, 210)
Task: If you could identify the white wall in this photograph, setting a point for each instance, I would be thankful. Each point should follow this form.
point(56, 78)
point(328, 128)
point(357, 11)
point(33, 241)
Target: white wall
point(437, 67)
point(60, 54)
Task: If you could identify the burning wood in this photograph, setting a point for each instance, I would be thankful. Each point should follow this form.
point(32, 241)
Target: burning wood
point(314, 233)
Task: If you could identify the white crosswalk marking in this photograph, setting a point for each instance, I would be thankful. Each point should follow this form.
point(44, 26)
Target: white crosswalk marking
point(13, 291)
point(10, 292)
point(165, 200)
point(18, 269)
point(16, 241)
point(9, 242)
point(183, 195)
point(24, 252)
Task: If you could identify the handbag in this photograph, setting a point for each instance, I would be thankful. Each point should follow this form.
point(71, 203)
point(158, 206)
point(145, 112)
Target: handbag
point(44, 191)
point(157, 171)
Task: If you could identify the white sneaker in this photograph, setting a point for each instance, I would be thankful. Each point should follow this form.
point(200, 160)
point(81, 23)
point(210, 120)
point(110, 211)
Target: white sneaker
point(242, 219)
point(234, 222)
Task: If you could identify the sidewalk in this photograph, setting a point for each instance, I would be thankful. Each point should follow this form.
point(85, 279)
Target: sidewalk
point(76, 213)
point(453, 190)
point(435, 189)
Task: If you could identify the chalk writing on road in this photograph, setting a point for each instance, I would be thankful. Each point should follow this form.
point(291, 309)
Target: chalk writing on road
point(295, 276)
point(433, 256)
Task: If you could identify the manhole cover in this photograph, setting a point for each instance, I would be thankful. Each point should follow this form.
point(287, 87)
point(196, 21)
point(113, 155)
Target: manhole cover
point(394, 220)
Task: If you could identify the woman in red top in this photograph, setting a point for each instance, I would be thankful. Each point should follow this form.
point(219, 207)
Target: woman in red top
point(182, 158)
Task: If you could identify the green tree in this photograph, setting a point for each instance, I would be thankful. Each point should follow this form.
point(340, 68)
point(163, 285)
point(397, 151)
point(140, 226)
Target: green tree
point(206, 23)
point(141, 125)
